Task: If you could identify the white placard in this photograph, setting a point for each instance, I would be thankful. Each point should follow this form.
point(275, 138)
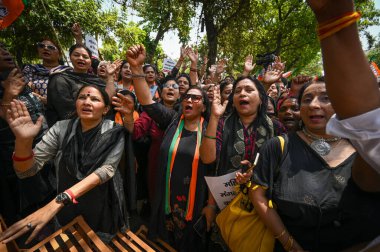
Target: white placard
point(222, 188)
point(92, 44)
point(168, 65)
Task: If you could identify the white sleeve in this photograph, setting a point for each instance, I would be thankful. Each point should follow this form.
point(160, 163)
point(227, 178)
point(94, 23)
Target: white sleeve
point(364, 133)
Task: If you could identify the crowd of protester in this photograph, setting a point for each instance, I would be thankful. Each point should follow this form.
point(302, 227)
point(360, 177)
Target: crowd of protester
point(118, 142)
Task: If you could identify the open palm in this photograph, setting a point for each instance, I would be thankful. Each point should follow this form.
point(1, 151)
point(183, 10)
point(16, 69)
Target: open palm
point(20, 122)
point(123, 103)
point(218, 108)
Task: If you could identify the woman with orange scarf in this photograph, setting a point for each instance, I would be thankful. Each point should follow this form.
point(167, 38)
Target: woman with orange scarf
point(181, 189)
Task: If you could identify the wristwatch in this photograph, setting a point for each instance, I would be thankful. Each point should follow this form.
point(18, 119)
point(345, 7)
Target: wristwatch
point(63, 198)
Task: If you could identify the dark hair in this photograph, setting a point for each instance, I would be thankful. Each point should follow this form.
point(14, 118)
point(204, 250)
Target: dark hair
point(186, 76)
point(73, 47)
point(164, 80)
point(273, 102)
point(261, 118)
point(206, 101)
point(223, 84)
point(102, 91)
point(145, 67)
point(302, 90)
point(121, 68)
point(283, 99)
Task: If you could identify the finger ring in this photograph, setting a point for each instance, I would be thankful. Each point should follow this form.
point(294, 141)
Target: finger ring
point(29, 225)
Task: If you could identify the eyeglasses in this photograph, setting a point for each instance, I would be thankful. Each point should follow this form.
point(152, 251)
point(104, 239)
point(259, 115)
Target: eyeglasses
point(174, 86)
point(194, 98)
point(49, 47)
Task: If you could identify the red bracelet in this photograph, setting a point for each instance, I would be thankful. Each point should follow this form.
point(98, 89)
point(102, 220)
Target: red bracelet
point(22, 159)
point(73, 199)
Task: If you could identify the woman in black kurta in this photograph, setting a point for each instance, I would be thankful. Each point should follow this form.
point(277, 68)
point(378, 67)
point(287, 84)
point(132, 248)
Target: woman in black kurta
point(181, 188)
point(319, 206)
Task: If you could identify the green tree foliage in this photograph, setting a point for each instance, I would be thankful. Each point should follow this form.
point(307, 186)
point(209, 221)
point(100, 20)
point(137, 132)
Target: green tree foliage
point(160, 17)
point(125, 35)
point(37, 22)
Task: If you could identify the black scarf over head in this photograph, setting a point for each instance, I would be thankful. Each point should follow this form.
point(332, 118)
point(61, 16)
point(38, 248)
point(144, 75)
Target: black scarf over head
point(82, 154)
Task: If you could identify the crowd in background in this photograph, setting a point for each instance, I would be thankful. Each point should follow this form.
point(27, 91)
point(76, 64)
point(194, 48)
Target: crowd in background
point(122, 143)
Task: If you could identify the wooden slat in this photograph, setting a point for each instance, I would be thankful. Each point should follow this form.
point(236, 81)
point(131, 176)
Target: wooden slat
point(55, 245)
point(128, 242)
point(150, 243)
point(140, 242)
point(118, 245)
point(42, 249)
point(80, 240)
point(92, 236)
point(90, 241)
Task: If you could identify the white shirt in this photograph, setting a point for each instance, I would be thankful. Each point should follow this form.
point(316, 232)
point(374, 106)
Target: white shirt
point(364, 133)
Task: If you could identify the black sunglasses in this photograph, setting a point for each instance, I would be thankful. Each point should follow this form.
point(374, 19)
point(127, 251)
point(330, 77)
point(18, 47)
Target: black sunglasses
point(174, 86)
point(49, 47)
point(194, 98)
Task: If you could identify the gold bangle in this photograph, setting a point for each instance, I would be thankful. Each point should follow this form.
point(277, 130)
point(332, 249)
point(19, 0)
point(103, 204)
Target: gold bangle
point(280, 235)
point(5, 104)
point(289, 247)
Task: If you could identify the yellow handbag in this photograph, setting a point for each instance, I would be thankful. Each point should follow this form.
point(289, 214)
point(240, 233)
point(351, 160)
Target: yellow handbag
point(242, 229)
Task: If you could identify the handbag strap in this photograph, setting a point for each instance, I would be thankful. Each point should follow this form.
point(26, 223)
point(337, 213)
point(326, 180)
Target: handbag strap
point(282, 147)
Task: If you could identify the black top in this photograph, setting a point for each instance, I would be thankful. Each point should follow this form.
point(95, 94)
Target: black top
point(169, 119)
point(182, 168)
point(62, 91)
point(320, 206)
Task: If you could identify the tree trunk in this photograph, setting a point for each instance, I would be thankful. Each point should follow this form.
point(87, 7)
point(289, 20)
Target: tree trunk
point(212, 36)
point(160, 35)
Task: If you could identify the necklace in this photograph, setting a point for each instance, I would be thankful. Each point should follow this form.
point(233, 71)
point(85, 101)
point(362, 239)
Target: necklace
point(319, 144)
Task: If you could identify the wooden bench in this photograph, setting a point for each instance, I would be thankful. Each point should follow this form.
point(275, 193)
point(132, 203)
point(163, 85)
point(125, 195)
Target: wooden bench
point(78, 236)
point(158, 244)
point(75, 236)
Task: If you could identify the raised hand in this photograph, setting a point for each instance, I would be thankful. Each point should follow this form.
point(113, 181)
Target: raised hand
point(36, 221)
point(248, 64)
point(212, 69)
point(298, 82)
point(217, 107)
point(272, 75)
point(278, 65)
point(193, 55)
point(76, 30)
point(123, 104)
point(20, 122)
point(220, 66)
point(136, 55)
point(183, 53)
point(184, 67)
point(14, 84)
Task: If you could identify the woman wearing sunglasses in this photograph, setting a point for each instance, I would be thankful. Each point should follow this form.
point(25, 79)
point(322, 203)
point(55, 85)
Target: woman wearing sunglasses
point(38, 74)
point(146, 126)
point(181, 189)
